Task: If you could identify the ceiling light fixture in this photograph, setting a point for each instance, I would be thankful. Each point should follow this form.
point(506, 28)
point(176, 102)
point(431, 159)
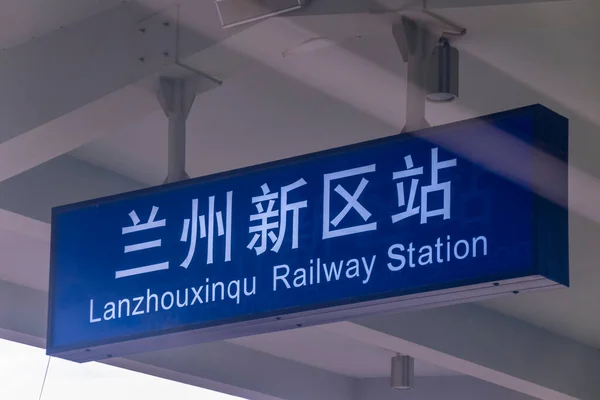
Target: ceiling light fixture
point(403, 372)
point(432, 70)
point(442, 73)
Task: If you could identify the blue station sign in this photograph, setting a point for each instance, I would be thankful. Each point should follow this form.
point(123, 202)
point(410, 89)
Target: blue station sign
point(396, 223)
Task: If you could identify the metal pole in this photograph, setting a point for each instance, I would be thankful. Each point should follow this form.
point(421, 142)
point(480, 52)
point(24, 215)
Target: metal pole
point(176, 96)
point(416, 43)
point(177, 136)
point(415, 95)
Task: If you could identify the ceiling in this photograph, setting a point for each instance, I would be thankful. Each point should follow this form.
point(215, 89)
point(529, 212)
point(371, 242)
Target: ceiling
point(26, 20)
point(271, 107)
point(23, 255)
point(307, 102)
point(329, 351)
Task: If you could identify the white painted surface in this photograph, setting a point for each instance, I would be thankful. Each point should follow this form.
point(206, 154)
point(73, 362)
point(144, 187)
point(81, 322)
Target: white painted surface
point(438, 388)
point(61, 181)
point(332, 352)
point(26, 20)
point(24, 259)
point(477, 342)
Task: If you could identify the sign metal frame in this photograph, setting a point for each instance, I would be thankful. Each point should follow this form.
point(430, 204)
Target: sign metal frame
point(550, 258)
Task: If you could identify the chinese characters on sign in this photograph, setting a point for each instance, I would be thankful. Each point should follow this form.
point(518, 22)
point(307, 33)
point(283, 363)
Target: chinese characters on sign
point(137, 227)
point(435, 186)
point(198, 224)
point(279, 218)
point(269, 225)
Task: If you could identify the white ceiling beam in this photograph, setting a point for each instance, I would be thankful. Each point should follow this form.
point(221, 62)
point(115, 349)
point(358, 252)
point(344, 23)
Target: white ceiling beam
point(70, 131)
point(252, 370)
point(458, 387)
point(192, 380)
point(57, 85)
point(487, 345)
point(58, 73)
point(23, 314)
point(23, 225)
point(74, 85)
point(329, 7)
point(481, 3)
point(26, 202)
point(62, 180)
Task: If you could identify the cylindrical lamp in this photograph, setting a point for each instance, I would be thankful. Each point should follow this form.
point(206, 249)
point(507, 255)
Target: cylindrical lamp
point(403, 372)
point(442, 73)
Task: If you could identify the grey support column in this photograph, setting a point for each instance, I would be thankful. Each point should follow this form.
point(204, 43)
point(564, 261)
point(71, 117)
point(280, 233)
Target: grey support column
point(416, 42)
point(176, 96)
